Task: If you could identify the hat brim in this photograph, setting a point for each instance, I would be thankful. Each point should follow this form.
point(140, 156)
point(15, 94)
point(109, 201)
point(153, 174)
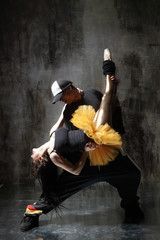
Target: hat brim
point(57, 97)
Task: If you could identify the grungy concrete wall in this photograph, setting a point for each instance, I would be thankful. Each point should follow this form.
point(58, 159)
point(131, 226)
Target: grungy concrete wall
point(43, 40)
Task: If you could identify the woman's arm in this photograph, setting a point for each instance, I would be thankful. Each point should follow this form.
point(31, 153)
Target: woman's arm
point(75, 169)
point(38, 153)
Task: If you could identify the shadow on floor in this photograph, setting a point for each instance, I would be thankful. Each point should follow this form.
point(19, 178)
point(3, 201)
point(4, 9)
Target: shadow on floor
point(93, 213)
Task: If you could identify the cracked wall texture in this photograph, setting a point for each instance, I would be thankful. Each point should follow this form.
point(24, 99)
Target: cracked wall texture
point(41, 41)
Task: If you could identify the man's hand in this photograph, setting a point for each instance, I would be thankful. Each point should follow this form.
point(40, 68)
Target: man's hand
point(90, 146)
point(112, 77)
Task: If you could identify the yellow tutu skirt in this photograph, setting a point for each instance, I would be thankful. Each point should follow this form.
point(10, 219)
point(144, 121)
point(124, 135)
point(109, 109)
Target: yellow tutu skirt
point(107, 138)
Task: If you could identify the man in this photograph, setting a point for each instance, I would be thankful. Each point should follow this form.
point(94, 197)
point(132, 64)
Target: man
point(121, 173)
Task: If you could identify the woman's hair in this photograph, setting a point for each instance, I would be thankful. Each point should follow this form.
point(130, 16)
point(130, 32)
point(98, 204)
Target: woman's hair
point(46, 172)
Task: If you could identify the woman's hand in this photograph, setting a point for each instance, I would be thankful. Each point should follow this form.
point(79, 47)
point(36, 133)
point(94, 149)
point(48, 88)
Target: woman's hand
point(90, 146)
point(37, 154)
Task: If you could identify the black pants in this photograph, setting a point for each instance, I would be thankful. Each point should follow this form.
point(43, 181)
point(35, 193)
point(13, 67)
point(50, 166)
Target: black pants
point(121, 174)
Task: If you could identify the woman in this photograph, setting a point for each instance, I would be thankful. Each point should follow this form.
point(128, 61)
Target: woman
point(95, 137)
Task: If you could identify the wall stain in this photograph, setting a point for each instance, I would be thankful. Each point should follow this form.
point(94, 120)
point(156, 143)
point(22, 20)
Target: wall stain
point(139, 138)
point(42, 39)
point(135, 15)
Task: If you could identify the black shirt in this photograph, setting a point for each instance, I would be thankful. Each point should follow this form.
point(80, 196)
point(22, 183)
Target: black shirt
point(72, 141)
point(90, 97)
point(93, 97)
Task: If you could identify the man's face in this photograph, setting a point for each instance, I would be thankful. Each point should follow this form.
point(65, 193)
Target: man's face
point(68, 96)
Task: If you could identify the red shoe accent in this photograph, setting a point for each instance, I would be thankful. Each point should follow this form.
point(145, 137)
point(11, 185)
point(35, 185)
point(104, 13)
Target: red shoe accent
point(30, 207)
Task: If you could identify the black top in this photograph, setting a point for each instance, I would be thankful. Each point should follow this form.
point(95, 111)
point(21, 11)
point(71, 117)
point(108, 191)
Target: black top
point(90, 97)
point(67, 141)
point(70, 140)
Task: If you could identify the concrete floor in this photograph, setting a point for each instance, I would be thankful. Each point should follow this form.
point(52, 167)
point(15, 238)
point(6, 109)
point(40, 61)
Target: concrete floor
point(93, 213)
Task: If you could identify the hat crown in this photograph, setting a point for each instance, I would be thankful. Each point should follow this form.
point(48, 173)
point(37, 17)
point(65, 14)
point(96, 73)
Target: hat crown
point(58, 87)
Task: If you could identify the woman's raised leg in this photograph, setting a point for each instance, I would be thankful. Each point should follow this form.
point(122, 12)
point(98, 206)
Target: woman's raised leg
point(104, 114)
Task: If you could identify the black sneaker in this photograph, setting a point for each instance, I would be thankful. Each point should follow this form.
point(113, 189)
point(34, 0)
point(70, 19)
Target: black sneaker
point(134, 214)
point(29, 221)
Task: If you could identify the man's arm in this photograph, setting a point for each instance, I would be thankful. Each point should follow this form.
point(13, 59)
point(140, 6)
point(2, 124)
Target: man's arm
point(59, 123)
point(38, 153)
